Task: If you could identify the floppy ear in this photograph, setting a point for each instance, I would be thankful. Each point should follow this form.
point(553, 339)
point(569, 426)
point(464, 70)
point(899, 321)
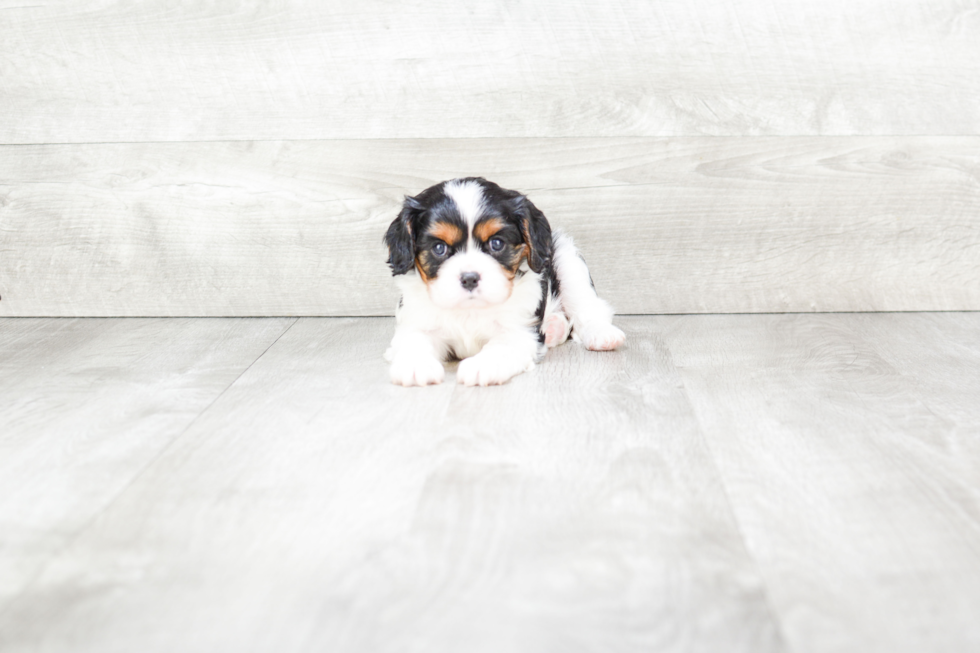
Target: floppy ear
point(536, 231)
point(400, 238)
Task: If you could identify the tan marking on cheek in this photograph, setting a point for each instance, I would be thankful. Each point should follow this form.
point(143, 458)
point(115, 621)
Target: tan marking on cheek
point(486, 229)
point(511, 270)
point(421, 269)
point(446, 232)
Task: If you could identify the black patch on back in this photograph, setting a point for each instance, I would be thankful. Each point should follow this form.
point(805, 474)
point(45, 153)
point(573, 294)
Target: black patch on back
point(542, 306)
point(553, 278)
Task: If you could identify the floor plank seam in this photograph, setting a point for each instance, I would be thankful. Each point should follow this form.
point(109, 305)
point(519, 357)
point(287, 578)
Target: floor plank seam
point(770, 608)
point(912, 463)
point(81, 530)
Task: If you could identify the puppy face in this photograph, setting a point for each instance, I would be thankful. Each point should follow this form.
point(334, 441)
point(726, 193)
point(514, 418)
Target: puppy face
point(467, 239)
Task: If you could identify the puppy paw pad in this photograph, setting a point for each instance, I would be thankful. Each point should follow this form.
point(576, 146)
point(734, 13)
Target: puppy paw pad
point(555, 330)
point(602, 338)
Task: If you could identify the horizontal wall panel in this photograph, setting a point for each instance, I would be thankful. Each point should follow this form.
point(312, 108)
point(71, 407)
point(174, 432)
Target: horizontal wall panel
point(701, 224)
point(159, 71)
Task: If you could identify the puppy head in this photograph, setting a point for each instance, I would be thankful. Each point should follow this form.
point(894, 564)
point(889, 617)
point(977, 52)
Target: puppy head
point(467, 239)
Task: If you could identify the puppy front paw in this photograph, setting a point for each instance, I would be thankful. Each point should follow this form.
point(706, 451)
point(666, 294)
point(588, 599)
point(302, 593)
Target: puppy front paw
point(490, 368)
point(599, 337)
point(409, 371)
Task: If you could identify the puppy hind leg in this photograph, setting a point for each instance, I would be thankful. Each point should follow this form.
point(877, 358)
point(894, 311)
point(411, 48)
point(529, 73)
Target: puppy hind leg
point(555, 325)
point(555, 329)
point(590, 316)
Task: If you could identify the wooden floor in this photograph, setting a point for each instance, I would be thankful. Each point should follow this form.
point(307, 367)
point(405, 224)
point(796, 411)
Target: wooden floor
point(723, 483)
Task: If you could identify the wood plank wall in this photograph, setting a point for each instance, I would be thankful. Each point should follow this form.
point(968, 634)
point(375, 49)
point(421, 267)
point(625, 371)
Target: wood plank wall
point(244, 158)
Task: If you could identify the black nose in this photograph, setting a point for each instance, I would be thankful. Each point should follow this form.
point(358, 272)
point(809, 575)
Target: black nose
point(469, 279)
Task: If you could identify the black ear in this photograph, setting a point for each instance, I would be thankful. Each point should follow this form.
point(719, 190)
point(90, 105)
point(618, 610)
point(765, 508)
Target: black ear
point(400, 237)
point(536, 231)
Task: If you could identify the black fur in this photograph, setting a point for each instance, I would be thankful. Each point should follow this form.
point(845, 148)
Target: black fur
point(537, 234)
point(406, 236)
point(527, 232)
point(539, 313)
point(520, 211)
point(400, 237)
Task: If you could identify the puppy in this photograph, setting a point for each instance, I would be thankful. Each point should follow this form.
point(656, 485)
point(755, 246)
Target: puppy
point(484, 280)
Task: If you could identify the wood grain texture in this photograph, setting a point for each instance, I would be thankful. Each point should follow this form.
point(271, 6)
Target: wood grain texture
point(945, 378)
point(156, 71)
point(87, 405)
point(314, 507)
point(851, 461)
point(703, 224)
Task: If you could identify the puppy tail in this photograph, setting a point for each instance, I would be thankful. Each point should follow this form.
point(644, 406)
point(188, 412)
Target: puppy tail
point(589, 315)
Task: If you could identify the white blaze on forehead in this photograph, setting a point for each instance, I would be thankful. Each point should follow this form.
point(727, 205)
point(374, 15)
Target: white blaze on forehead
point(468, 197)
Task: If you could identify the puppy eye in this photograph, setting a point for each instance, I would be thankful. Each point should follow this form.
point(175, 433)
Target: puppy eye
point(496, 244)
point(440, 249)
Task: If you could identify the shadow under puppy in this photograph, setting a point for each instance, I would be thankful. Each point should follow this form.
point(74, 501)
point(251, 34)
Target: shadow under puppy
point(485, 280)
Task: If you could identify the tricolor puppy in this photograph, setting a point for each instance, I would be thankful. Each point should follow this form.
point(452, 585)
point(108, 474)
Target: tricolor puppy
point(484, 280)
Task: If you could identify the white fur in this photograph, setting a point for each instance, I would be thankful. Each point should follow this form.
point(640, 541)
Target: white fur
point(468, 197)
point(493, 288)
point(464, 331)
point(555, 324)
point(502, 358)
point(417, 362)
point(590, 317)
point(491, 328)
point(496, 341)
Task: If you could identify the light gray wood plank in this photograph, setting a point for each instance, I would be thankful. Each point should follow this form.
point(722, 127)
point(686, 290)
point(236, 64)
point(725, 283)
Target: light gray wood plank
point(939, 356)
point(857, 493)
point(668, 226)
point(315, 506)
point(96, 72)
point(87, 405)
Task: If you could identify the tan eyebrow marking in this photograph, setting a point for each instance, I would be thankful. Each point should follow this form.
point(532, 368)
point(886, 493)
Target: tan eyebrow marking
point(446, 232)
point(487, 228)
